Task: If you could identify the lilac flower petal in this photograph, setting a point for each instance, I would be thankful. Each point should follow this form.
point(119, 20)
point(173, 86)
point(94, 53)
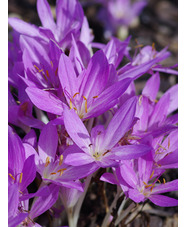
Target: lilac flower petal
point(75, 173)
point(44, 203)
point(173, 94)
point(145, 165)
point(50, 102)
point(152, 87)
point(24, 28)
point(16, 153)
point(29, 172)
point(165, 70)
point(44, 191)
point(167, 187)
point(67, 184)
point(29, 150)
point(96, 76)
point(135, 195)
point(13, 199)
point(78, 159)
point(15, 221)
point(30, 138)
point(48, 142)
point(128, 174)
point(129, 151)
point(163, 201)
point(76, 129)
point(86, 36)
point(67, 76)
point(45, 14)
point(109, 178)
point(120, 123)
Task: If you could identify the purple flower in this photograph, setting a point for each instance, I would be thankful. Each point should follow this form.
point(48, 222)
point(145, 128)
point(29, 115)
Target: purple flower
point(100, 147)
point(139, 183)
point(69, 15)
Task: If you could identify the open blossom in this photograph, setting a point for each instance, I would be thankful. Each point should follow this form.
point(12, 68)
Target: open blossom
point(139, 183)
point(100, 146)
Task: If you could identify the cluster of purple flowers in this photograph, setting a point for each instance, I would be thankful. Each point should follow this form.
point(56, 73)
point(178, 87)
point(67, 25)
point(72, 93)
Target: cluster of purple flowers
point(79, 112)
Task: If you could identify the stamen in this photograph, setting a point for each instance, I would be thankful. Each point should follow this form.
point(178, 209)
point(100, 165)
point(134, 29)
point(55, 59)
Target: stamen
point(70, 104)
point(39, 70)
point(85, 103)
point(95, 97)
point(153, 46)
point(51, 64)
point(140, 99)
point(47, 74)
point(11, 176)
point(168, 142)
point(18, 102)
point(75, 108)
point(47, 161)
point(164, 181)
point(75, 94)
point(139, 45)
point(162, 147)
point(152, 187)
point(159, 181)
point(61, 171)
point(52, 173)
point(44, 76)
point(152, 174)
point(61, 159)
point(20, 192)
point(106, 152)
point(20, 178)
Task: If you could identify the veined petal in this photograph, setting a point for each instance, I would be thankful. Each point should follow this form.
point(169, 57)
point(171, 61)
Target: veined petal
point(45, 14)
point(50, 102)
point(67, 76)
point(76, 129)
point(152, 87)
point(108, 98)
point(48, 141)
point(136, 196)
point(120, 123)
point(109, 178)
point(96, 76)
point(167, 187)
point(44, 203)
point(129, 152)
point(163, 201)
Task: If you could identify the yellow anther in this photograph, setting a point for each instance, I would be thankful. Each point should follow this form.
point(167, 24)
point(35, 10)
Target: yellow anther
point(156, 101)
point(61, 171)
point(20, 177)
point(47, 161)
point(75, 94)
point(168, 142)
point(140, 99)
point(152, 174)
point(70, 104)
point(164, 181)
point(75, 108)
point(162, 147)
point(159, 181)
point(61, 159)
point(39, 70)
point(85, 104)
point(95, 97)
point(47, 73)
point(139, 45)
point(51, 64)
point(11, 176)
point(44, 76)
point(20, 192)
point(52, 173)
point(152, 187)
point(153, 46)
point(18, 102)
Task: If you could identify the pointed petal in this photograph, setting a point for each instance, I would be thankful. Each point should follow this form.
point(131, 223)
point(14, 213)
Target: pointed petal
point(129, 152)
point(76, 129)
point(48, 141)
point(163, 201)
point(96, 76)
point(136, 196)
point(45, 14)
point(167, 187)
point(44, 203)
point(152, 87)
point(49, 103)
point(109, 178)
point(67, 76)
point(120, 123)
